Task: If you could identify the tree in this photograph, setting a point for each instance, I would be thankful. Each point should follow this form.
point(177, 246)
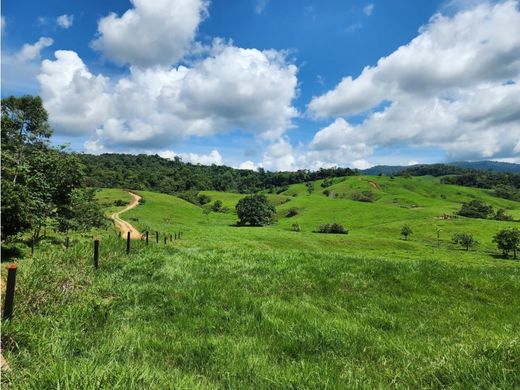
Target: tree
point(406, 231)
point(255, 210)
point(464, 239)
point(508, 240)
point(82, 213)
point(310, 187)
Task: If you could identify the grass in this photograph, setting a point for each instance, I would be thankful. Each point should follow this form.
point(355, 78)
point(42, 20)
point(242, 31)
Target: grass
point(229, 307)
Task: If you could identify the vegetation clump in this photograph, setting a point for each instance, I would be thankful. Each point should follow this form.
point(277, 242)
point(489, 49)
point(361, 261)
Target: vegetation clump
point(255, 210)
point(332, 228)
point(465, 240)
point(476, 209)
point(406, 231)
point(363, 196)
point(293, 211)
point(508, 240)
point(217, 206)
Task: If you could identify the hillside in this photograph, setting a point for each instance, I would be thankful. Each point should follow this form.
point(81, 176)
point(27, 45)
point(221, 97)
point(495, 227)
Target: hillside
point(268, 307)
point(492, 166)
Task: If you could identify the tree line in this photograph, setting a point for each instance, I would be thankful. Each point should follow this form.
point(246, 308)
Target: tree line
point(173, 176)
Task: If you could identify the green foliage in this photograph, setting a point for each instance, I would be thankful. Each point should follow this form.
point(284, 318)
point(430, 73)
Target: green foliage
point(501, 215)
point(363, 196)
point(476, 209)
point(82, 213)
point(255, 210)
point(332, 228)
point(120, 203)
point(38, 181)
point(293, 211)
point(406, 231)
point(310, 187)
point(465, 240)
point(508, 240)
point(507, 192)
point(203, 199)
point(217, 206)
point(296, 227)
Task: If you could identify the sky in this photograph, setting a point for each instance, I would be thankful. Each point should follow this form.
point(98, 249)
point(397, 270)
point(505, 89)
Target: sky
point(278, 84)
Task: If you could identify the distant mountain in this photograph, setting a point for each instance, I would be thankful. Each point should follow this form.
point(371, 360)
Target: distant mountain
point(494, 166)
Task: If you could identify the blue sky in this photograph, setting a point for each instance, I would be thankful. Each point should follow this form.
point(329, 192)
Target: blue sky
point(279, 84)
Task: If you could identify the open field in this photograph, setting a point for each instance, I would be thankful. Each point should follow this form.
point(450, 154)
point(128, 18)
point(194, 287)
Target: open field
point(244, 307)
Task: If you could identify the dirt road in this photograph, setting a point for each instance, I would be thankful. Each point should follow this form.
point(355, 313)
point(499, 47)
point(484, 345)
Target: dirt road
point(124, 226)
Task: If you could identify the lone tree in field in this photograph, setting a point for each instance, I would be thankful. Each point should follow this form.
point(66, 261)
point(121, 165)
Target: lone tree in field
point(255, 210)
point(508, 240)
point(464, 239)
point(406, 231)
point(310, 187)
point(476, 209)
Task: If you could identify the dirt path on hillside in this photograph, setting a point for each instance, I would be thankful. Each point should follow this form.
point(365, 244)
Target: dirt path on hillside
point(124, 226)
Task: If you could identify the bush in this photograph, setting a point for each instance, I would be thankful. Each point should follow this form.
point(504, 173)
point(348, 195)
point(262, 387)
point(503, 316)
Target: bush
point(292, 212)
point(120, 203)
point(332, 228)
point(476, 209)
point(217, 206)
point(464, 239)
point(203, 199)
point(327, 183)
point(326, 193)
point(406, 231)
point(142, 201)
point(296, 227)
point(255, 210)
point(364, 196)
point(502, 216)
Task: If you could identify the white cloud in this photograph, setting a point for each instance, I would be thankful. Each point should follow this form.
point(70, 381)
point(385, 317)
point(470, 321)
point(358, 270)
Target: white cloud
point(151, 33)
point(361, 164)
point(279, 156)
point(214, 157)
point(3, 24)
point(248, 165)
point(260, 6)
point(151, 108)
point(455, 86)
point(65, 21)
point(30, 52)
point(368, 9)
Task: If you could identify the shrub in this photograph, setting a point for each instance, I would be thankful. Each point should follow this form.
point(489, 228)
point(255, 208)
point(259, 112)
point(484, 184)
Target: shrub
point(120, 203)
point(326, 193)
point(142, 201)
point(292, 212)
point(217, 206)
point(476, 209)
point(364, 196)
point(332, 228)
point(255, 210)
point(406, 231)
point(508, 240)
point(203, 199)
point(502, 216)
point(327, 183)
point(296, 227)
point(464, 239)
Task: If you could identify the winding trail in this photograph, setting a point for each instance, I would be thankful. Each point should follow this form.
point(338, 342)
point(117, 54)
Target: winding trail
point(124, 226)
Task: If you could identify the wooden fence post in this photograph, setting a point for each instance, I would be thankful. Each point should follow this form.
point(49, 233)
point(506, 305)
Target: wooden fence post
point(67, 242)
point(9, 292)
point(147, 237)
point(96, 254)
point(128, 243)
point(157, 237)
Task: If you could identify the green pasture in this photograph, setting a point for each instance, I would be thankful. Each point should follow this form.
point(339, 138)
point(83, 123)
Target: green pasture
point(269, 308)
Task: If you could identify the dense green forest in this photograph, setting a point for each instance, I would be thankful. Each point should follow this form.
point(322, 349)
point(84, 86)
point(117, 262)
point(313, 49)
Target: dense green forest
point(145, 172)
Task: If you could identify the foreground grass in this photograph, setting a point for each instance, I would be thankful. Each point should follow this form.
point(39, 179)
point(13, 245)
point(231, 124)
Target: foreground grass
point(169, 317)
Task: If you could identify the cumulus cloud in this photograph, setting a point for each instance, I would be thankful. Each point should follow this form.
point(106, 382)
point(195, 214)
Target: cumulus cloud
point(455, 86)
point(214, 157)
point(234, 88)
point(260, 6)
point(30, 52)
point(65, 21)
point(151, 33)
point(248, 165)
point(279, 156)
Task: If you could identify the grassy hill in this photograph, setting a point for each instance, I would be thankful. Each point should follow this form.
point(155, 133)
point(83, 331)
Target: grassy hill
point(247, 307)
